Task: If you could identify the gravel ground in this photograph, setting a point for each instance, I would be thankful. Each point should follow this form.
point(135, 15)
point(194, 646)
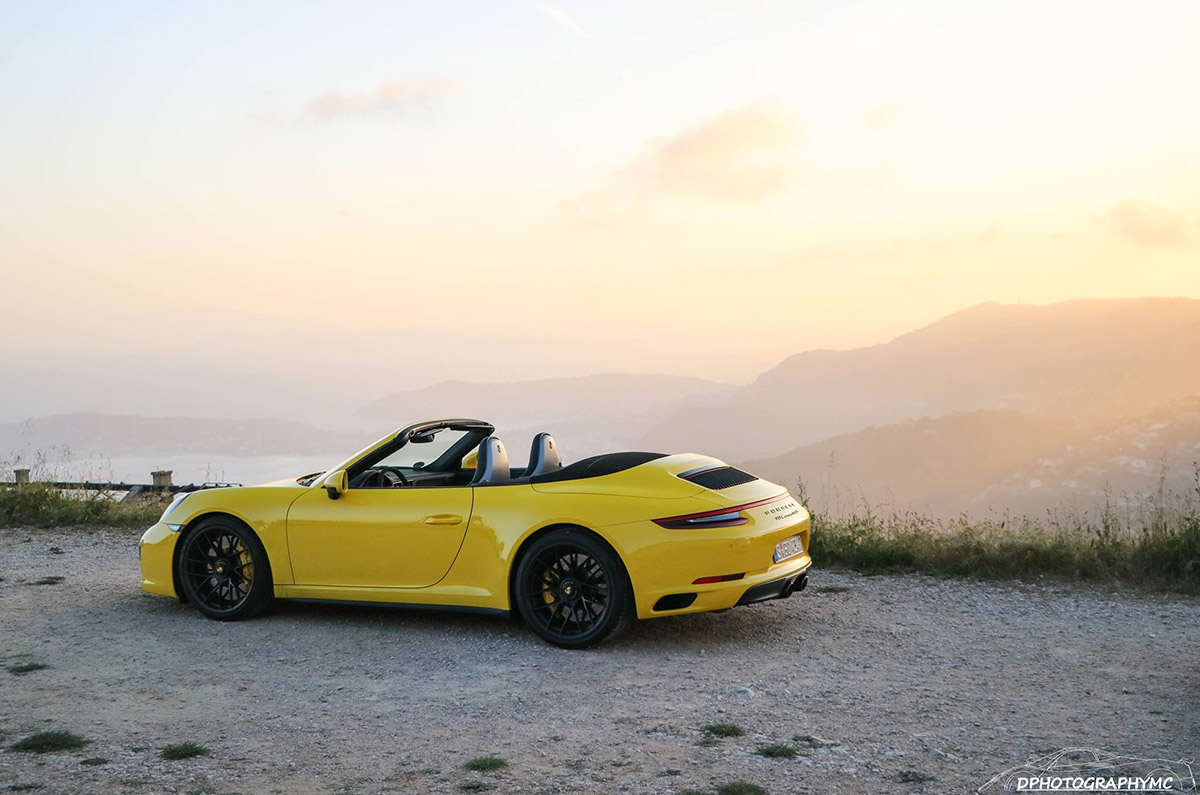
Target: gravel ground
point(949, 679)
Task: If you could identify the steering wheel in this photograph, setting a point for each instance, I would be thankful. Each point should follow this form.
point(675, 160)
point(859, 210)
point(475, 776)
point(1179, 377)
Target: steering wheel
point(393, 478)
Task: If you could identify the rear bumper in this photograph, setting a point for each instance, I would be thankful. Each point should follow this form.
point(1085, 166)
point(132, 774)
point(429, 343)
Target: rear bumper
point(777, 582)
point(775, 589)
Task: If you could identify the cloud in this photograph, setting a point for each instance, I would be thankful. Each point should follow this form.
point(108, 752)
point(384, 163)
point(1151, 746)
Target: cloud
point(1147, 225)
point(884, 116)
point(392, 98)
point(740, 156)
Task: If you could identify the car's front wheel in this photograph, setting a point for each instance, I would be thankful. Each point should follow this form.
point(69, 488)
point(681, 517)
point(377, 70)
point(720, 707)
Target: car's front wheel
point(572, 590)
point(224, 571)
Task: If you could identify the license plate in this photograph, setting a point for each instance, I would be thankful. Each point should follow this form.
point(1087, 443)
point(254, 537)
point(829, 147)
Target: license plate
point(788, 548)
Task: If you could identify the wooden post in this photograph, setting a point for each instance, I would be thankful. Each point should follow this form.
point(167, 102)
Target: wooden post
point(21, 477)
point(162, 479)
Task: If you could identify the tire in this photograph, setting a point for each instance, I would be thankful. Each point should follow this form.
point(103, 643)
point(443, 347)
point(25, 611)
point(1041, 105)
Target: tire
point(223, 570)
point(572, 590)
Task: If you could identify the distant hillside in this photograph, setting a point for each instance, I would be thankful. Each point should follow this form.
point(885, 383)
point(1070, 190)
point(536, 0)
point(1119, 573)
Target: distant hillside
point(995, 461)
point(592, 413)
point(112, 435)
point(1087, 359)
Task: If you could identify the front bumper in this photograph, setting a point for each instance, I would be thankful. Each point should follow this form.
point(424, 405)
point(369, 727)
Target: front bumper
point(157, 549)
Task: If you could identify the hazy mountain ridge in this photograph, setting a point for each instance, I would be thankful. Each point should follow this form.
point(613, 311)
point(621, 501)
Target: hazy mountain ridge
point(996, 407)
point(114, 435)
point(1103, 358)
point(996, 462)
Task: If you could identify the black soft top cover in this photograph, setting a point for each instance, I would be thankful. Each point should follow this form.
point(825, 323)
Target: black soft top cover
point(597, 465)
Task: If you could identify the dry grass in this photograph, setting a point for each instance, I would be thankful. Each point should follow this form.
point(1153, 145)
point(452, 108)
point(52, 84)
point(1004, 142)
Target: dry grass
point(39, 505)
point(1154, 543)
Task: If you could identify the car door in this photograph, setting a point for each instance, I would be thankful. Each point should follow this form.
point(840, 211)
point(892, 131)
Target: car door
point(377, 537)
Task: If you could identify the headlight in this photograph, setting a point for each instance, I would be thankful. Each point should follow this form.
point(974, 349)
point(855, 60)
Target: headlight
point(180, 497)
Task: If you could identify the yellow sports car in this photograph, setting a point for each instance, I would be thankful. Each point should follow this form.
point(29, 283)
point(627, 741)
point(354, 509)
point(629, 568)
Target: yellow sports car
point(434, 516)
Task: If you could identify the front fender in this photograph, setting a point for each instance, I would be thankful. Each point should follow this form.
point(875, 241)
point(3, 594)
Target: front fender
point(263, 509)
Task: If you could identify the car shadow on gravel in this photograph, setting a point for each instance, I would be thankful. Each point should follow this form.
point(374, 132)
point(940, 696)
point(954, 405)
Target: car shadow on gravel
point(399, 617)
point(752, 625)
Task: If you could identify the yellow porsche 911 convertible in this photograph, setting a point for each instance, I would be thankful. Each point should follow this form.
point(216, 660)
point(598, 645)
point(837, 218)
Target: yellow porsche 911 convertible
point(434, 516)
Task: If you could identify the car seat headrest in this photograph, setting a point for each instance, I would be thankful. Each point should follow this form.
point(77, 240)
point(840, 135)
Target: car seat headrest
point(492, 468)
point(543, 456)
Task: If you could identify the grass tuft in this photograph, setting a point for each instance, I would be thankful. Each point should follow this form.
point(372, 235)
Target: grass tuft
point(49, 742)
point(483, 764)
point(474, 786)
point(740, 788)
point(776, 751)
point(813, 742)
point(913, 777)
point(24, 668)
point(53, 579)
point(185, 750)
point(723, 730)
point(94, 761)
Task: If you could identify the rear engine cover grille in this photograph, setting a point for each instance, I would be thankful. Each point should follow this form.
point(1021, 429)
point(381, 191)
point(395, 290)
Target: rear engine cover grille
point(719, 478)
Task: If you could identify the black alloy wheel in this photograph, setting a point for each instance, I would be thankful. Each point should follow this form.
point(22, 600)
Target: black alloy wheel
point(224, 571)
point(572, 590)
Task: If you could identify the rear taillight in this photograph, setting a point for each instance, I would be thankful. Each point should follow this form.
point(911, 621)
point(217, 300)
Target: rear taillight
point(722, 517)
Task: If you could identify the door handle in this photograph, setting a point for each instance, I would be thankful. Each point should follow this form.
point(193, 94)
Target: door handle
point(444, 518)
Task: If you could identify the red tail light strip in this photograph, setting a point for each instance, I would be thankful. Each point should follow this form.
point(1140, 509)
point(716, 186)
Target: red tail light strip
point(697, 519)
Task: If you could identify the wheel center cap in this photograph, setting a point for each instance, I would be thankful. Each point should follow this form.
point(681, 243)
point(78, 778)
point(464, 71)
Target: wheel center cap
point(222, 567)
point(570, 589)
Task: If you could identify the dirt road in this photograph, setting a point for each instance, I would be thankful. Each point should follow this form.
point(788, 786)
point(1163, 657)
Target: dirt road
point(905, 677)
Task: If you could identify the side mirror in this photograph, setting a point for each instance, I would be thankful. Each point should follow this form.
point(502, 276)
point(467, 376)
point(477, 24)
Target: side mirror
point(336, 483)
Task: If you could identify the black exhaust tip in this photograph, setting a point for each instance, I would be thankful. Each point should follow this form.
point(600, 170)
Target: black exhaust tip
point(799, 584)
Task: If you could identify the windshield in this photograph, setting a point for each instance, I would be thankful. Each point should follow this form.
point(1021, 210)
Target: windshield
point(418, 454)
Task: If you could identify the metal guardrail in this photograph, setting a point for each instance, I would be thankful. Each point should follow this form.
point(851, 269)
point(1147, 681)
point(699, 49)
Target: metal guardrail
point(161, 485)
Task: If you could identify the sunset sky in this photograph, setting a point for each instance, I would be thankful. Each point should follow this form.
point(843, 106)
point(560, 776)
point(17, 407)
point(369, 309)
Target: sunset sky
point(219, 208)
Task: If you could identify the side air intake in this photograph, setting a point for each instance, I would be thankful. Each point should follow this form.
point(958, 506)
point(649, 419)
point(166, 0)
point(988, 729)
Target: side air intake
point(717, 478)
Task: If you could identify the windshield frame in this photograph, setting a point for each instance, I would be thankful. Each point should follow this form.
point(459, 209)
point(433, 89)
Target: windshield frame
point(477, 431)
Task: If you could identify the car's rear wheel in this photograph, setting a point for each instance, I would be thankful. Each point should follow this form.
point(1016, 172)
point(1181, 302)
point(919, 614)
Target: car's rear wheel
point(572, 590)
point(224, 571)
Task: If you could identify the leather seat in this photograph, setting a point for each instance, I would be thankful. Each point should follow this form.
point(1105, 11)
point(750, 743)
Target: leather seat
point(543, 456)
point(492, 468)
